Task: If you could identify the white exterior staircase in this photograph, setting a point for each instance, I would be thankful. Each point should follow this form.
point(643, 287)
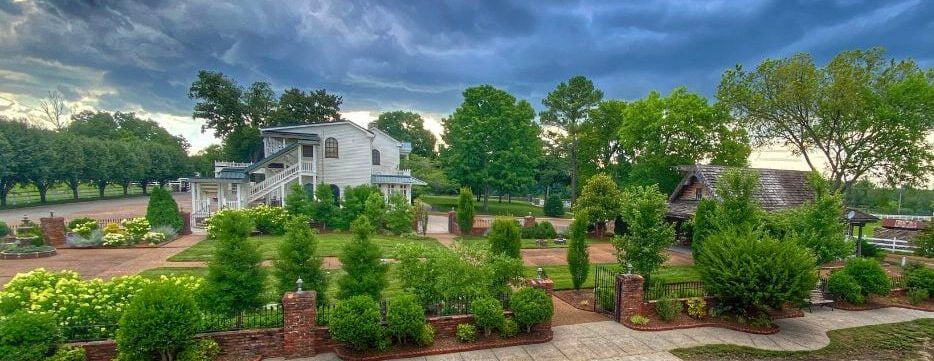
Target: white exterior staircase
point(276, 181)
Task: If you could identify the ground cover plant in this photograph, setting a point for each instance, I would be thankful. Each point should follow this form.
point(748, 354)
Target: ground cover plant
point(517, 208)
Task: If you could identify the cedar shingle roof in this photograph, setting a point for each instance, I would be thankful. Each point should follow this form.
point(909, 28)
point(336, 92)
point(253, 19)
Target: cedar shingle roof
point(778, 188)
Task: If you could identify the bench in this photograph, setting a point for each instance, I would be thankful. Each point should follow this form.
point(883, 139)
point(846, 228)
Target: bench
point(817, 297)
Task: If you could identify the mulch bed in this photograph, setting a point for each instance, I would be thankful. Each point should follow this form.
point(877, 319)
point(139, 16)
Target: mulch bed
point(138, 245)
point(896, 299)
point(582, 299)
point(685, 321)
point(443, 345)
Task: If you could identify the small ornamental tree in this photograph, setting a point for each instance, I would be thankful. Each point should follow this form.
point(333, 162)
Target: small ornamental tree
point(399, 215)
point(737, 208)
point(600, 201)
point(531, 306)
point(487, 314)
point(505, 237)
point(298, 259)
point(405, 318)
point(649, 234)
point(160, 321)
point(298, 202)
point(361, 259)
point(375, 210)
point(356, 322)
point(162, 210)
point(751, 274)
point(817, 224)
point(324, 208)
point(578, 255)
point(465, 211)
point(235, 275)
point(553, 207)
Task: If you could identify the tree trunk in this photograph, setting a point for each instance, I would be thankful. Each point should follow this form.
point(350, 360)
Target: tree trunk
point(42, 190)
point(500, 196)
point(3, 193)
point(509, 198)
point(574, 171)
point(126, 188)
point(486, 200)
point(101, 186)
point(74, 189)
point(144, 185)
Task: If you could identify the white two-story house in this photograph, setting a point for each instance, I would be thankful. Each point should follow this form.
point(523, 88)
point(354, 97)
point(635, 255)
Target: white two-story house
point(337, 155)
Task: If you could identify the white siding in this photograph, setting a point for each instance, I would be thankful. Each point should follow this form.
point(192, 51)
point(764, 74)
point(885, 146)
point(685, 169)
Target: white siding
point(353, 165)
point(388, 153)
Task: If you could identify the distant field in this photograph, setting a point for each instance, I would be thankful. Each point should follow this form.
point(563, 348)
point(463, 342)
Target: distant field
point(21, 196)
point(516, 208)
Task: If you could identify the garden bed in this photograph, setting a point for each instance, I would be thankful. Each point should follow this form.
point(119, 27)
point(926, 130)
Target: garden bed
point(896, 299)
point(138, 245)
point(684, 321)
point(443, 345)
point(582, 299)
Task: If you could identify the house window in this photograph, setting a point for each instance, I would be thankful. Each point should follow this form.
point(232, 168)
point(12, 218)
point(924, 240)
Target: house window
point(330, 148)
point(698, 193)
point(375, 157)
point(308, 151)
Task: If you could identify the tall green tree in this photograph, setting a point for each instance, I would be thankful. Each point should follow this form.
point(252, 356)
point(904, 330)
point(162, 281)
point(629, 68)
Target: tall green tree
point(18, 137)
point(44, 172)
point(861, 114)
point(361, 260)
point(399, 214)
point(649, 234)
point(299, 259)
point(491, 142)
point(235, 276)
point(298, 201)
point(599, 145)
point(569, 105)
point(578, 254)
point(601, 200)
point(505, 237)
point(71, 163)
point(233, 113)
point(465, 211)
point(659, 133)
point(375, 210)
point(298, 107)
point(324, 207)
point(408, 127)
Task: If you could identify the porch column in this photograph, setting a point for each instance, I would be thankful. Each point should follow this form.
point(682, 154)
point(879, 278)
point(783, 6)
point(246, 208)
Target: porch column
point(194, 197)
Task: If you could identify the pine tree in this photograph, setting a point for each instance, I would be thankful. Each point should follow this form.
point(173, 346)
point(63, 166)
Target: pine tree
point(505, 237)
point(298, 202)
point(361, 260)
point(375, 210)
point(298, 259)
point(578, 255)
point(235, 275)
point(400, 215)
point(324, 207)
point(162, 209)
point(465, 211)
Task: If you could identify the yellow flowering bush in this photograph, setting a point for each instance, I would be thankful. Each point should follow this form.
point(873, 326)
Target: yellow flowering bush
point(135, 228)
point(114, 240)
point(83, 227)
point(89, 308)
point(268, 219)
point(211, 228)
point(154, 237)
point(112, 228)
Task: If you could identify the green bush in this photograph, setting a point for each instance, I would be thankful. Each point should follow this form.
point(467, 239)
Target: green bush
point(4, 229)
point(161, 320)
point(355, 321)
point(465, 211)
point(578, 255)
point(375, 210)
point(268, 219)
point(869, 275)
point(510, 328)
point(361, 260)
point(69, 353)
point(845, 287)
point(324, 208)
point(553, 207)
point(697, 307)
point(917, 295)
point(750, 274)
point(202, 350)
point(235, 278)
point(298, 258)
point(162, 209)
point(505, 237)
point(870, 250)
point(487, 314)
point(920, 278)
point(639, 320)
point(925, 242)
point(298, 201)
point(28, 337)
point(531, 306)
point(82, 226)
point(667, 308)
point(466, 333)
point(354, 204)
point(399, 215)
point(405, 318)
point(426, 337)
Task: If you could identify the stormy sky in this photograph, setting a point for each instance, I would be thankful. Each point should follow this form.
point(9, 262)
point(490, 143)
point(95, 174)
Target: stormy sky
point(417, 55)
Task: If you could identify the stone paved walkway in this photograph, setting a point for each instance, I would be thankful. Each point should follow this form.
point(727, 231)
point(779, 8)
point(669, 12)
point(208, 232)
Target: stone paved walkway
point(609, 340)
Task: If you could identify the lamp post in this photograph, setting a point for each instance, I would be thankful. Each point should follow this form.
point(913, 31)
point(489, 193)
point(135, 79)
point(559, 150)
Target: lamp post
point(298, 284)
point(850, 216)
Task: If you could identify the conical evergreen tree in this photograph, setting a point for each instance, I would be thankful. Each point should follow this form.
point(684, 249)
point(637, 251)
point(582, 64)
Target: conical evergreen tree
point(298, 259)
point(361, 259)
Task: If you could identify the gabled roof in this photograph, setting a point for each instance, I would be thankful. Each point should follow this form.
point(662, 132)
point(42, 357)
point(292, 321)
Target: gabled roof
point(778, 188)
point(285, 129)
point(396, 179)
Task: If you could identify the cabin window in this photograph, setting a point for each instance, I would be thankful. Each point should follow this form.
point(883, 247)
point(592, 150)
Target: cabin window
point(375, 157)
point(330, 148)
point(698, 193)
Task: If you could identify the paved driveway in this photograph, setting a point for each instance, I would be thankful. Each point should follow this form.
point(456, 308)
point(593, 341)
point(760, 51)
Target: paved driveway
point(123, 207)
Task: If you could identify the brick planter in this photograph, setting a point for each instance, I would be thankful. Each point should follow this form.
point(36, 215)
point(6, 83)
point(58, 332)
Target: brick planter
point(29, 255)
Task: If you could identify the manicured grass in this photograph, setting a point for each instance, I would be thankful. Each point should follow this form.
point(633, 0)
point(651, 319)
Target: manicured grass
point(269, 293)
point(516, 208)
point(562, 277)
point(527, 243)
point(329, 244)
point(896, 341)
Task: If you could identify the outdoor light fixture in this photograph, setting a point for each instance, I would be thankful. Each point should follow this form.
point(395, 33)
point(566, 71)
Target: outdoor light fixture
point(299, 283)
point(541, 273)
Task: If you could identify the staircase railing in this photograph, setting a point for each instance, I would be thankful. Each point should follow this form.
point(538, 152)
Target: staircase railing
point(262, 187)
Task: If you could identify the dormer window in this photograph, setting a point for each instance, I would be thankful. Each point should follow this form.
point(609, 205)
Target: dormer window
point(330, 148)
point(375, 157)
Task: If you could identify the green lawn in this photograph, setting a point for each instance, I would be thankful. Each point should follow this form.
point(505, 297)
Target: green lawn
point(516, 208)
point(329, 244)
point(526, 243)
point(562, 278)
point(896, 341)
point(270, 294)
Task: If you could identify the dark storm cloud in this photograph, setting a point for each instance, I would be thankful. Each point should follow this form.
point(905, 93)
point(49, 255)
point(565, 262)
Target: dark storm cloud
point(421, 54)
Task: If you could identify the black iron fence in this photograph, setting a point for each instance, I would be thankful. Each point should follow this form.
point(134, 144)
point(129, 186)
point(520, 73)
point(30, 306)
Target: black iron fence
point(446, 308)
point(80, 333)
point(659, 291)
point(604, 290)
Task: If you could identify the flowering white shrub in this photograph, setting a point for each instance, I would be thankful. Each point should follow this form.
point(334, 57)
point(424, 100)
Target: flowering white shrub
point(153, 237)
point(136, 228)
point(268, 219)
point(84, 228)
point(94, 306)
point(211, 230)
point(114, 240)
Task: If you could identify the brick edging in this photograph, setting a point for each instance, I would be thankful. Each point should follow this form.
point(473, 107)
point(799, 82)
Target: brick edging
point(545, 336)
point(875, 306)
point(29, 255)
point(729, 326)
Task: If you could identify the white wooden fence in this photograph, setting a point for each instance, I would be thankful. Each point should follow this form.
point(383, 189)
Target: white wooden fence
point(904, 217)
point(892, 245)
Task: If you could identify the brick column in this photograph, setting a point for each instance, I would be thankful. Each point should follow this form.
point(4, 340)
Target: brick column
point(298, 314)
point(53, 230)
point(452, 222)
point(628, 296)
point(186, 223)
point(528, 221)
